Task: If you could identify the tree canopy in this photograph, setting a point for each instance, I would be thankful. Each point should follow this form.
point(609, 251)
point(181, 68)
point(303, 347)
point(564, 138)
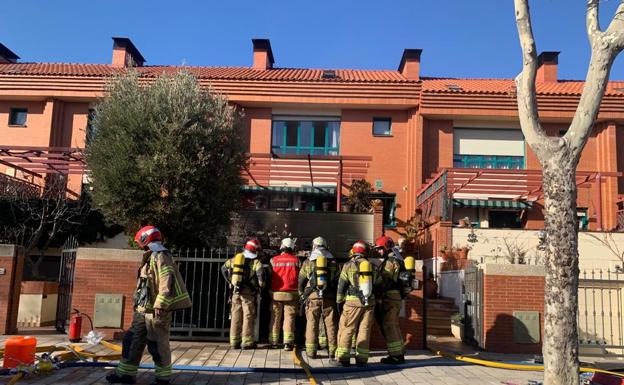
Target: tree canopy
point(166, 153)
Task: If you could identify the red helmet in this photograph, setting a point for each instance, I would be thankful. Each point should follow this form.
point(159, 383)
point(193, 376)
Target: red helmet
point(360, 248)
point(385, 242)
point(251, 248)
point(147, 235)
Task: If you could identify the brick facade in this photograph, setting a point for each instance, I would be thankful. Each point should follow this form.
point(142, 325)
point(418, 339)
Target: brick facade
point(12, 261)
point(105, 271)
point(509, 288)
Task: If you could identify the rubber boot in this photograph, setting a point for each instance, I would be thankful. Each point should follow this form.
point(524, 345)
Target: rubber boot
point(288, 347)
point(393, 360)
point(338, 364)
point(114, 378)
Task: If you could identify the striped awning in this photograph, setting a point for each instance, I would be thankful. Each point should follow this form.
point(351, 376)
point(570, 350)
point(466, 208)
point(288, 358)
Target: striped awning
point(320, 190)
point(491, 203)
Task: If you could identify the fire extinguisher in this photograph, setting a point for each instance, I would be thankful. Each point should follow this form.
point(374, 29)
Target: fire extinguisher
point(75, 325)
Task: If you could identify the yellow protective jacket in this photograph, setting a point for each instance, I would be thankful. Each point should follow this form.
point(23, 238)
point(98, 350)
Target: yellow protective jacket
point(254, 279)
point(348, 285)
point(161, 284)
point(390, 286)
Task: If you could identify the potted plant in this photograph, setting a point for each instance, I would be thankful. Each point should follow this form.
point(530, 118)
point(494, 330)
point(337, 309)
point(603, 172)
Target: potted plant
point(462, 252)
point(457, 326)
point(445, 252)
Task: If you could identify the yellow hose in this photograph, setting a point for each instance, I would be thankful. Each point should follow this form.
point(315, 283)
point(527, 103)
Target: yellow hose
point(304, 366)
point(15, 378)
point(503, 365)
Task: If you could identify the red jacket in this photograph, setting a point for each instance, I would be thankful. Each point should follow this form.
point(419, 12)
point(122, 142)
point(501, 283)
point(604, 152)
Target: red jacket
point(285, 272)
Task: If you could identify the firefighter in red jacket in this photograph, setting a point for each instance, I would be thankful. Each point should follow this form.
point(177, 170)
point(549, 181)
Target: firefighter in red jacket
point(285, 295)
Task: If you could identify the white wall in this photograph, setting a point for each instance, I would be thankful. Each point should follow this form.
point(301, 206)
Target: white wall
point(473, 141)
point(490, 247)
point(451, 285)
point(35, 310)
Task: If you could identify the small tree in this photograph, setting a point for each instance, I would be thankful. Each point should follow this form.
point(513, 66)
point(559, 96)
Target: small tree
point(360, 195)
point(40, 222)
point(166, 153)
point(559, 158)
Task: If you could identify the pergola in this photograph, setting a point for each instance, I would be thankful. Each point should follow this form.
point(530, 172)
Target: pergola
point(501, 187)
point(38, 162)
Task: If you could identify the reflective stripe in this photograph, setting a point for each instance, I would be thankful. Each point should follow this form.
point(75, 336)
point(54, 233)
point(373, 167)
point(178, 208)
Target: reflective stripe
point(124, 368)
point(284, 264)
point(163, 371)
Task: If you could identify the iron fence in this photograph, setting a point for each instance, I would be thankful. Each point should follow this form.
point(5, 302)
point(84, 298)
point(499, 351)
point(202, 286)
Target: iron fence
point(208, 318)
point(66, 283)
point(600, 312)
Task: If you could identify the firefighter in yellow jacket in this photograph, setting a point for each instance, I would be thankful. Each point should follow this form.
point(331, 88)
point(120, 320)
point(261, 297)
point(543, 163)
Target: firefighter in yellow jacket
point(356, 303)
point(160, 291)
point(245, 274)
point(318, 281)
point(390, 301)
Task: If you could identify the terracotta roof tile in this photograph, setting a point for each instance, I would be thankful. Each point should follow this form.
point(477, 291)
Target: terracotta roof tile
point(226, 73)
point(506, 86)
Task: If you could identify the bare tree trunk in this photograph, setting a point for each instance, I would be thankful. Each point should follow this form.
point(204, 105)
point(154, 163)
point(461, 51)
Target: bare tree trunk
point(560, 344)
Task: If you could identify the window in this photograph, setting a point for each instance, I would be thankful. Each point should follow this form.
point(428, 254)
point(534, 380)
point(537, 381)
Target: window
point(488, 148)
point(583, 218)
point(382, 127)
point(389, 207)
point(17, 116)
point(314, 136)
point(504, 219)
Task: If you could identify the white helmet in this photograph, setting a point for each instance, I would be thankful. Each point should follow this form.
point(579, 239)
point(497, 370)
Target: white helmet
point(319, 242)
point(288, 244)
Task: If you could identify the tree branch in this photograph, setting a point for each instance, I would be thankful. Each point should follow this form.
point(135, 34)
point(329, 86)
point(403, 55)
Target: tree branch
point(593, 24)
point(525, 82)
point(605, 48)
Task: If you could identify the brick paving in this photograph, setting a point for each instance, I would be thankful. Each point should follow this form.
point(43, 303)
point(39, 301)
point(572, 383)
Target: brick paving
point(216, 354)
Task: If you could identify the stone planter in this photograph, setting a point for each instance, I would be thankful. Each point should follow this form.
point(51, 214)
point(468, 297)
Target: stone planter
point(457, 330)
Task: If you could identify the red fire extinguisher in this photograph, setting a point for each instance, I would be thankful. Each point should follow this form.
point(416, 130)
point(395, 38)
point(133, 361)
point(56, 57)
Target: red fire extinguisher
point(75, 326)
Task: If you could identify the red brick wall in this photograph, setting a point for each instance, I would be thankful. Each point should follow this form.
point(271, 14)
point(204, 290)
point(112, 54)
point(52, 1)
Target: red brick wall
point(502, 295)
point(430, 239)
point(12, 260)
point(97, 275)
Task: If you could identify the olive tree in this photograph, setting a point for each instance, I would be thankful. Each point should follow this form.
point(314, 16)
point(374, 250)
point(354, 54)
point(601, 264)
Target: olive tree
point(166, 152)
point(559, 157)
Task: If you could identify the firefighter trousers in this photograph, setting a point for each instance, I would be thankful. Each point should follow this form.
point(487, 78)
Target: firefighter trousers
point(356, 320)
point(321, 311)
point(283, 314)
point(392, 331)
point(153, 332)
point(243, 322)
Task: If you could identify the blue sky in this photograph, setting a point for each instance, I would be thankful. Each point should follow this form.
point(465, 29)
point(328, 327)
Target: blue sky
point(460, 38)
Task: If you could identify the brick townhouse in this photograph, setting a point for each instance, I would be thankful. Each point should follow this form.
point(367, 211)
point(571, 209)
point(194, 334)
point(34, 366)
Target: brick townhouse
point(450, 147)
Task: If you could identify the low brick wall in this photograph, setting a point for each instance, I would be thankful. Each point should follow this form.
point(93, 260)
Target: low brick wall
point(509, 288)
point(12, 264)
point(105, 271)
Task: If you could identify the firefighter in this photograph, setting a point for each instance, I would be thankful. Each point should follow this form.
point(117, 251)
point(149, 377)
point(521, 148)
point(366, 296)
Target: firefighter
point(160, 290)
point(284, 277)
point(356, 304)
point(246, 277)
point(318, 281)
point(390, 299)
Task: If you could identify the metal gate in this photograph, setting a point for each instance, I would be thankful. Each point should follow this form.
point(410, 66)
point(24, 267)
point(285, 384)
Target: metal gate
point(208, 318)
point(600, 320)
point(66, 283)
point(473, 303)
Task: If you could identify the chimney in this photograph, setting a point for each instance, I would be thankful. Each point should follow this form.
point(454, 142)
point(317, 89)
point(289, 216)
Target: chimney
point(262, 54)
point(6, 55)
point(410, 64)
point(547, 66)
point(125, 54)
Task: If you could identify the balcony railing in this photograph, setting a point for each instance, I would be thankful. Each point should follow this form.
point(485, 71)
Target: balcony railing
point(436, 197)
point(266, 170)
point(14, 187)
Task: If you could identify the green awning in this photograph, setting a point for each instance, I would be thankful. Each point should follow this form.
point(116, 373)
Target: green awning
point(320, 190)
point(491, 203)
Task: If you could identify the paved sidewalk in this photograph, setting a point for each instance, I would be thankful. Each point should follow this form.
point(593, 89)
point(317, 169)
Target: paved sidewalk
point(215, 354)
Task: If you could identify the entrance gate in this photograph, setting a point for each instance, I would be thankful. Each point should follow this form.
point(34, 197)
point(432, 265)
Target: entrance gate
point(208, 318)
point(473, 284)
point(66, 283)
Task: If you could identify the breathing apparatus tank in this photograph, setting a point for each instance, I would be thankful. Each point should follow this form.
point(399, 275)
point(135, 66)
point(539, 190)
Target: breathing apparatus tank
point(320, 264)
point(365, 280)
point(238, 271)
